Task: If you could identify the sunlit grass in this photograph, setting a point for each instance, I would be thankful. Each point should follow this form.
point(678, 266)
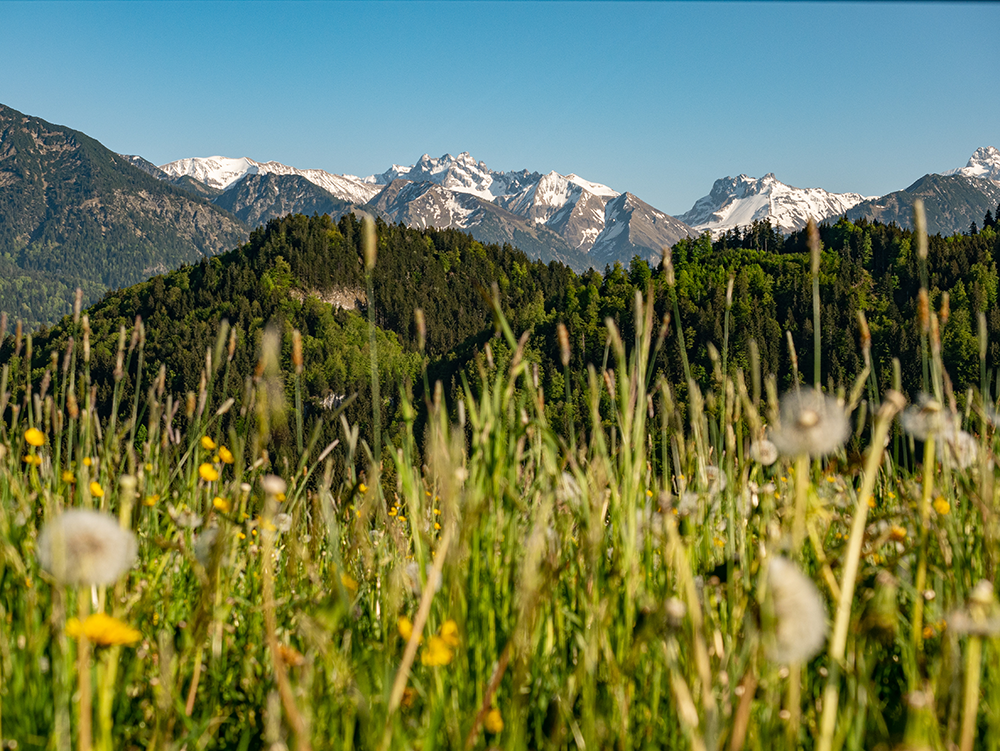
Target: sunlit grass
point(653, 576)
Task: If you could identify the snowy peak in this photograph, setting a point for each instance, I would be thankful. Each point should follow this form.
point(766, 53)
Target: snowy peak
point(741, 201)
point(215, 171)
point(984, 163)
point(224, 172)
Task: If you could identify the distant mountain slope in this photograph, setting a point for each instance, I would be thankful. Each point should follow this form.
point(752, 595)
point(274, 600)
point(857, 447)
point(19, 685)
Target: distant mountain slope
point(257, 198)
point(952, 203)
point(427, 204)
point(634, 228)
point(741, 201)
point(73, 212)
point(984, 163)
point(550, 216)
point(221, 173)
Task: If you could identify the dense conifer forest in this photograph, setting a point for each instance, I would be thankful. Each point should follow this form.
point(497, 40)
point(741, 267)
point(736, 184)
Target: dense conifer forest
point(290, 269)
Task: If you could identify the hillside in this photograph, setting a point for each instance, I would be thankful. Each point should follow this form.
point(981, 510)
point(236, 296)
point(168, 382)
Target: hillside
point(73, 213)
point(306, 273)
point(952, 203)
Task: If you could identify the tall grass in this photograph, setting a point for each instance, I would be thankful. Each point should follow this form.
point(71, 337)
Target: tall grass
point(516, 584)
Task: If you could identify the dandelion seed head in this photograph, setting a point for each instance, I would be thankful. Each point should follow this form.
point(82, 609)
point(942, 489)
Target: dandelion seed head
point(273, 485)
point(798, 614)
point(764, 452)
point(85, 547)
point(926, 418)
point(282, 522)
point(958, 447)
point(811, 423)
point(203, 545)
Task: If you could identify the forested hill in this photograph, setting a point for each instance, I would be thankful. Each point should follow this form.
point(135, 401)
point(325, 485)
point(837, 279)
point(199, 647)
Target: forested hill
point(74, 214)
point(307, 273)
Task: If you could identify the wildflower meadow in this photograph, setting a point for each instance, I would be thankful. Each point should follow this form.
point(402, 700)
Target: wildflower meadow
point(740, 568)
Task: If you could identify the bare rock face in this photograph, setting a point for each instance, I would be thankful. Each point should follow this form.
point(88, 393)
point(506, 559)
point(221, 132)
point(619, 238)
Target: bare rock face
point(73, 213)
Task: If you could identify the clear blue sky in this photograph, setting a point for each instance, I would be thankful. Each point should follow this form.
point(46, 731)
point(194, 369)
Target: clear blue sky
point(659, 99)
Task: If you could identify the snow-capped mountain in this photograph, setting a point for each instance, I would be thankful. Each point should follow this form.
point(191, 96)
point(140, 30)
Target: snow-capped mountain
point(984, 163)
point(223, 172)
point(550, 216)
point(741, 201)
point(633, 227)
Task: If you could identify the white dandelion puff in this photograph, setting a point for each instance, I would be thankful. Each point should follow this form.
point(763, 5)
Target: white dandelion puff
point(960, 448)
point(811, 423)
point(85, 547)
point(797, 615)
point(764, 452)
point(926, 418)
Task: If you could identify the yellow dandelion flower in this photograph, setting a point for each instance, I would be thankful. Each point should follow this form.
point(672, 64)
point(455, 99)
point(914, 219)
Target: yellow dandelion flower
point(493, 722)
point(33, 459)
point(405, 627)
point(207, 443)
point(941, 505)
point(280, 497)
point(892, 496)
point(649, 494)
point(393, 511)
point(226, 455)
point(437, 512)
point(68, 476)
point(831, 478)
point(897, 533)
point(222, 504)
point(96, 490)
point(150, 500)
point(871, 501)
point(362, 488)
point(34, 437)
point(87, 461)
point(436, 653)
point(449, 633)
point(401, 518)
point(929, 632)
point(208, 472)
point(103, 630)
point(437, 526)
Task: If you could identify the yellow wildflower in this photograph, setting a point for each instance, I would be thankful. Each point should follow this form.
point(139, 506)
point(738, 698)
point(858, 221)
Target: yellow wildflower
point(33, 459)
point(941, 505)
point(871, 501)
point(34, 437)
point(449, 633)
point(493, 721)
point(103, 630)
point(280, 497)
point(68, 476)
point(208, 472)
point(87, 461)
point(362, 488)
point(349, 582)
point(436, 653)
point(150, 500)
point(405, 627)
point(96, 490)
point(226, 455)
point(222, 504)
point(897, 533)
point(207, 443)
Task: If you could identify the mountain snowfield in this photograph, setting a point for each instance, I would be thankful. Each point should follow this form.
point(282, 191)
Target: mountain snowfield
point(985, 163)
point(741, 201)
point(580, 222)
point(223, 172)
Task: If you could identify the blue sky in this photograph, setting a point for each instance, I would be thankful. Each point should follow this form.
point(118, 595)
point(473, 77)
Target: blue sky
point(659, 99)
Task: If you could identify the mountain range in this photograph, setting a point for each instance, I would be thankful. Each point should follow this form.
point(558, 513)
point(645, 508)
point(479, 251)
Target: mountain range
point(75, 214)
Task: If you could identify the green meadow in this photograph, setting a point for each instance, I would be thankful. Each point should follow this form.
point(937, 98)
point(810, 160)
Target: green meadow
point(704, 560)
